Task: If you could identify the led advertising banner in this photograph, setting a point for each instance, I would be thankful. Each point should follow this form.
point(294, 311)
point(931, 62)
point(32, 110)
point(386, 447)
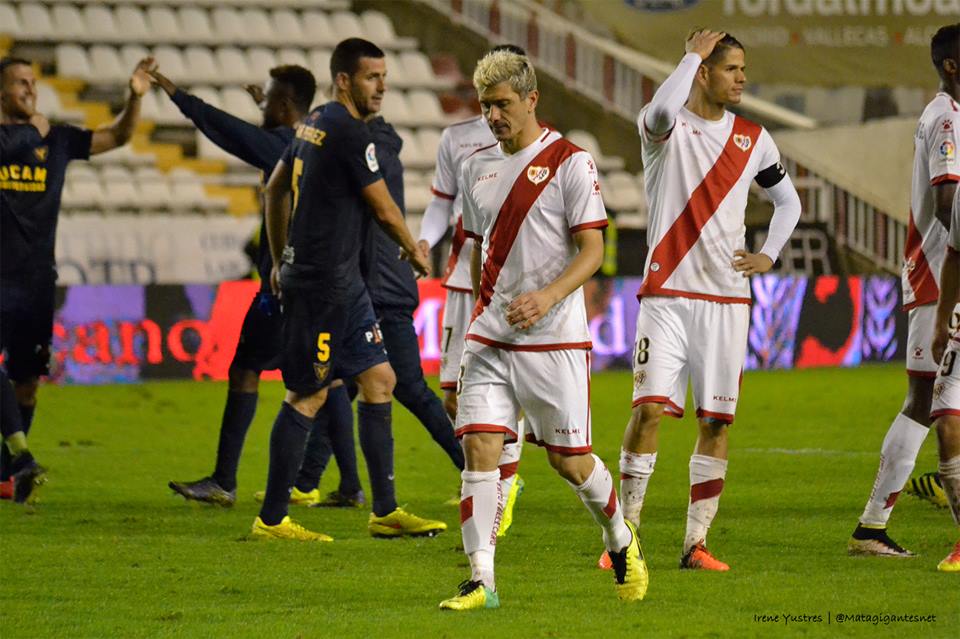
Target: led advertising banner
point(109, 334)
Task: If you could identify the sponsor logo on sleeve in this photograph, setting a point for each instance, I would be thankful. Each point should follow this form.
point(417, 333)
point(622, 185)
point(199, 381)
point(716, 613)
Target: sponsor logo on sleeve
point(948, 151)
point(371, 155)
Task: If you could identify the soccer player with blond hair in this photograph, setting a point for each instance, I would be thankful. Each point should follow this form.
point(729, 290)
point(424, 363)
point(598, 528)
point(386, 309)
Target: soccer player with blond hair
point(532, 202)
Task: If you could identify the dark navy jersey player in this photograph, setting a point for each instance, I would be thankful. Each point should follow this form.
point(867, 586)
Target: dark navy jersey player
point(329, 327)
point(33, 161)
point(284, 102)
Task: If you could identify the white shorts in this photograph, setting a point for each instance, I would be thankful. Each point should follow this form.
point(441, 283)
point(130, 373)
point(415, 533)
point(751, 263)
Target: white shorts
point(552, 388)
point(920, 321)
point(457, 311)
point(680, 338)
point(946, 390)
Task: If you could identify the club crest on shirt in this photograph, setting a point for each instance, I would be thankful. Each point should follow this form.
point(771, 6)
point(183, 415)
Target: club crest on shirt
point(321, 370)
point(742, 141)
point(538, 174)
point(41, 153)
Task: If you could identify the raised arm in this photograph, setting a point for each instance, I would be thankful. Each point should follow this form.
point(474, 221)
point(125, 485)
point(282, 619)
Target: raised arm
point(119, 132)
point(659, 117)
point(390, 219)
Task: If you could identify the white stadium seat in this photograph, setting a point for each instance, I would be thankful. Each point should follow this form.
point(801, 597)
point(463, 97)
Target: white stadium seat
point(119, 188)
point(320, 65)
point(209, 95)
point(258, 28)
point(419, 72)
point(292, 56)
point(48, 103)
point(411, 154)
point(425, 106)
point(132, 24)
point(379, 29)
point(429, 141)
point(170, 63)
point(72, 62)
point(9, 21)
point(68, 24)
point(588, 143)
point(622, 192)
point(317, 30)
point(346, 25)
point(233, 64)
point(200, 65)
point(228, 26)
point(106, 66)
point(261, 61)
point(101, 26)
point(287, 23)
point(35, 22)
point(131, 55)
point(195, 24)
point(164, 26)
point(396, 110)
point(207, 150)
point(238, 102)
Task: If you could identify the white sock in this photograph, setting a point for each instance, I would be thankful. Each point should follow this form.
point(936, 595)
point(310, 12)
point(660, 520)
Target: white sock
point(599, 496)
point(509, 460)
point(898, 455)
point(635, 471)
point(706, 484)
point(950, 479)
point(480, 507)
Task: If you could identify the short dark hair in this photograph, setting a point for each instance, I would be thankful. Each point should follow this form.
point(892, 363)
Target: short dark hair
point(945, 44)
point(346, 56)
point(726, 43)
point(512, 48)
point(11, 61)
point(302, 84)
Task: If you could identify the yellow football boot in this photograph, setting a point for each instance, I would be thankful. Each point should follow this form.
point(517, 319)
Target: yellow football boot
point(630, 569)
point(473, 596)
point(952, 561)
point(286, 529)
point(297, 497)
point(400, 523)
point(516, 489)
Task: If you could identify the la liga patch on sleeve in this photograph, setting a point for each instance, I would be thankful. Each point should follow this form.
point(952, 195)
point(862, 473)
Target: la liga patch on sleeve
point(371, 155)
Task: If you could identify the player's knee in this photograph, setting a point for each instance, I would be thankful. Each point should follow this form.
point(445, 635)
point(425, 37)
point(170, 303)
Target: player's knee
point(450, 403)
point(377, 384)
point(711, 428)
point(482, 451)
point(26, 391)
point(647, 416)
point(919, 397)
point(307, 404)
point(574, 468)
point(242, 380)
point(948, 436)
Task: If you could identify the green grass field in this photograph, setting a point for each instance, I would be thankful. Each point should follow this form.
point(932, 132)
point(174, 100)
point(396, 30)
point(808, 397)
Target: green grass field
point(110, 552)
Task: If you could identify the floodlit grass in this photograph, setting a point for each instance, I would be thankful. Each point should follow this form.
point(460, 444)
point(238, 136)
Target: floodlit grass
point(111, 552)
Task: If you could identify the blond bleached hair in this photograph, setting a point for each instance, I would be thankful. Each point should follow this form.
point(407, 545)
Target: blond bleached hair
point(505, 66)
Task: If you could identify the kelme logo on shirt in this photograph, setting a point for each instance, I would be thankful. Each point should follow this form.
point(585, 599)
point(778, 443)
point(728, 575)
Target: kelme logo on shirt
point(538, 174)
point(371, 155)
point(742, 141)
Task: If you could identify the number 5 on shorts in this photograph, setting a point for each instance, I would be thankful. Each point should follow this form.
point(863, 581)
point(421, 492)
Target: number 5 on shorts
point(323, 347)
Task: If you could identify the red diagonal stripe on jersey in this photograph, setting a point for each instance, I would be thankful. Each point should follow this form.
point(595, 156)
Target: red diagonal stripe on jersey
point(466, 509)
point(706, 490)
point(459, 237)
point(922, 280)
point(703, 203)
point(513, 212)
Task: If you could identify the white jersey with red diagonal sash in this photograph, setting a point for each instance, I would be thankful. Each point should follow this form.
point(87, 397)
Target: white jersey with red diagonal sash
point(526, 208)
point(935, 161)
point(458, 142)
point(697, 177)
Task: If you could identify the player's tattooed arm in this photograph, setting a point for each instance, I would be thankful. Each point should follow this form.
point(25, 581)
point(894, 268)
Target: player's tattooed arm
point(118, 132)
point(527, 309)
point(949, 297)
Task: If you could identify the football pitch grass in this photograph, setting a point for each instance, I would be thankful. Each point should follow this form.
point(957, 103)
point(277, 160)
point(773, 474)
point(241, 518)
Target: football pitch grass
point(109, 551)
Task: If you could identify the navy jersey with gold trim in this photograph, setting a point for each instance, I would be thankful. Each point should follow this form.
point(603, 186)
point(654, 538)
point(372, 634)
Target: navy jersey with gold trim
point(332, 159)
point(32, 173)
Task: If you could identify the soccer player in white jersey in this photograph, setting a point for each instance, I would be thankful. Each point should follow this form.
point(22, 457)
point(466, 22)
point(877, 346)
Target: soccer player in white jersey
point(533, 203)
point(458, 142)
point(945, 408)
point(699, 161)
point(936, 170)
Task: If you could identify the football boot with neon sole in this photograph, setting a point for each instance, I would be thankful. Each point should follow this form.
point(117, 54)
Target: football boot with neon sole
point(699, 558)
point(951, 563)
point(297, 497)
point(205, 490)
point(875, 542)
point(400, 523)
point(286, 529)
point(506, 520)
point(336, 499)
point(473, 596)
point(927, 487)
point(630, 569)
point(604, 562)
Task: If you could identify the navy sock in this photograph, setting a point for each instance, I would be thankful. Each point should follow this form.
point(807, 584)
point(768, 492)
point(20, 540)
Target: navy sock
point(317, 454)
point(9, 422)
point(376, 442)
point(287, 441)
point(417, 397)
point(237, 417)
point(26, 416)
point(341, 439)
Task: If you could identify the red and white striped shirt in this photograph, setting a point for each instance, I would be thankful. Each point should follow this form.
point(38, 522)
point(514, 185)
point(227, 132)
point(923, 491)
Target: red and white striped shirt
point(458, 142)
point(526, 208)
point(697, 178)
point(935, 161)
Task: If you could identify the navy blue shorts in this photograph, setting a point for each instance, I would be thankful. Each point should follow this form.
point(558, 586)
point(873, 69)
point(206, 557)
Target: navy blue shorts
point(324, 341)
point(261, 338)
point(26, 327)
